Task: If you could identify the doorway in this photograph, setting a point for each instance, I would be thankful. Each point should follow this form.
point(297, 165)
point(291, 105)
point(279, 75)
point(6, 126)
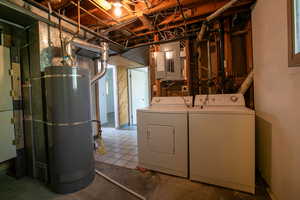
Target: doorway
point(107, 100)
point(138, 85)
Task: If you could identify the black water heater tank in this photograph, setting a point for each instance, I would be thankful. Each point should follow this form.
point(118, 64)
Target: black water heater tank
point(70, 138)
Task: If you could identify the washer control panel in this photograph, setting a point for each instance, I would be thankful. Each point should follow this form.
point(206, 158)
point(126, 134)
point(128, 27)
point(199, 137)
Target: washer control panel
point(220, 100)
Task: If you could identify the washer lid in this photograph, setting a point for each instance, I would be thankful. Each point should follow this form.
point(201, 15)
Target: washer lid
point(220, 100)
point(222, 110)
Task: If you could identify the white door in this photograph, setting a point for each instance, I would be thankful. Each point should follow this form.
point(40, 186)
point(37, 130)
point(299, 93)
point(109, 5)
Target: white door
point(139, 90)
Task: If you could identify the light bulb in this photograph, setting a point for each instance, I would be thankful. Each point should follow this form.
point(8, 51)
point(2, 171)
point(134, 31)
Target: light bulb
point(118, 11)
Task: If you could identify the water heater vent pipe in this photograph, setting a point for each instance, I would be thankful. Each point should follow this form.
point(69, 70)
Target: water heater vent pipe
point(101, 62)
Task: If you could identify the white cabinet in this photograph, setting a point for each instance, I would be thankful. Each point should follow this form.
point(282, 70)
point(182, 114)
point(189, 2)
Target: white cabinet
point(7, 148)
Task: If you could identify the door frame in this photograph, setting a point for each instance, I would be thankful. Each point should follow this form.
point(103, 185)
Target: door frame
point(116, 96)
point(130, 113)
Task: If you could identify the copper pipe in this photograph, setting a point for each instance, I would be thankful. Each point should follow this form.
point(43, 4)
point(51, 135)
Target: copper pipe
point(78, 15)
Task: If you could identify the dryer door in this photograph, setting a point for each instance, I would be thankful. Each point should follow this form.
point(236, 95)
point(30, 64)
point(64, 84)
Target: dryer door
point(162, 142)
point(161, 139)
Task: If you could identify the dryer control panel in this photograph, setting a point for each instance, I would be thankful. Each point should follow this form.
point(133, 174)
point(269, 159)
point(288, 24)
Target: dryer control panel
point(172, 101)
point(220, 100)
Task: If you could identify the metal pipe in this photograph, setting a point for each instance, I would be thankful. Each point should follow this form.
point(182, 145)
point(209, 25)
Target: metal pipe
point(200, 36)
point(209, 67)
point(213, 16)
point(247, 83)
point(103, 62)
point(69, 53)
point(84, 45)
point(78, 16)
point(222, 54)
point(89, 13)
point(120, 185)
point(101, 73)
point(55, 14)
point(88, 46)
point(158, 42)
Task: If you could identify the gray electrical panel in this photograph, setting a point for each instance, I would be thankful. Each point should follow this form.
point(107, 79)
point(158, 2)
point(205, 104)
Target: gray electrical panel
point(169, 65)
point(70, 140)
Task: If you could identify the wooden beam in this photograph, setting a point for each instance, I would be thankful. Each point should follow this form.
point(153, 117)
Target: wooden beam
point(167, 28)
point(119, 26)
point(201, 10)
point(146, 22)
point(86, 12)
point(108, 14)
point(170, 4)
point(168, 19)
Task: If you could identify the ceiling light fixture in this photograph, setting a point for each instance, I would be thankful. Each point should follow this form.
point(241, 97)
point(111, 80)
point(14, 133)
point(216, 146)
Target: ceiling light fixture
point(117, 9)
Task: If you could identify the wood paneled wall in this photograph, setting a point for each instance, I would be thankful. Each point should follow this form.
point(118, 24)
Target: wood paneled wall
point(123, 95)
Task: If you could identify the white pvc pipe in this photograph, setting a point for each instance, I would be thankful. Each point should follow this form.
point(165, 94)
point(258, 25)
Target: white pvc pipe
point(247, 83)
point(202, 31)
point(213, 16)
point(221, 10)
point(120, 185)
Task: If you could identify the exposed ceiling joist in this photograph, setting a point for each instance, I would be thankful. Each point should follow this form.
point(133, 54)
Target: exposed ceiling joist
point(199, 11)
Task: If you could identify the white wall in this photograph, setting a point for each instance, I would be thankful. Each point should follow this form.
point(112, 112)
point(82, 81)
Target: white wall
point(277, 100)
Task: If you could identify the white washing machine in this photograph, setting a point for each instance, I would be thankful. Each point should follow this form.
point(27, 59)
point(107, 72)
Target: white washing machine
point(163, 135)
point(222, 142)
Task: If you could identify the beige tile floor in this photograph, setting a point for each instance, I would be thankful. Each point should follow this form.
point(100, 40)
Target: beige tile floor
point(121, 148)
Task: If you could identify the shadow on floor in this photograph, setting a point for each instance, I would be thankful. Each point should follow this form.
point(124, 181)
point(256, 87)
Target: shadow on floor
point(154, 186)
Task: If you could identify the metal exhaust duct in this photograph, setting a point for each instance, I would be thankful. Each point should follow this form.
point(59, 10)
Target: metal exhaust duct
point(102, 61)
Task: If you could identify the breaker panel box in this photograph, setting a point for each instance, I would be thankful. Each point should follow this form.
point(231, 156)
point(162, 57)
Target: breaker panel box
point(169, 62)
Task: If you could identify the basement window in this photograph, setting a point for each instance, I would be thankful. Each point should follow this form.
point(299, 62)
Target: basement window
point(294, 32)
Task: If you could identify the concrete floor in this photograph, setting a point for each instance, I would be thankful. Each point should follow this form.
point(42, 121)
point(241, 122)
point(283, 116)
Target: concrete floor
point(154, 186)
